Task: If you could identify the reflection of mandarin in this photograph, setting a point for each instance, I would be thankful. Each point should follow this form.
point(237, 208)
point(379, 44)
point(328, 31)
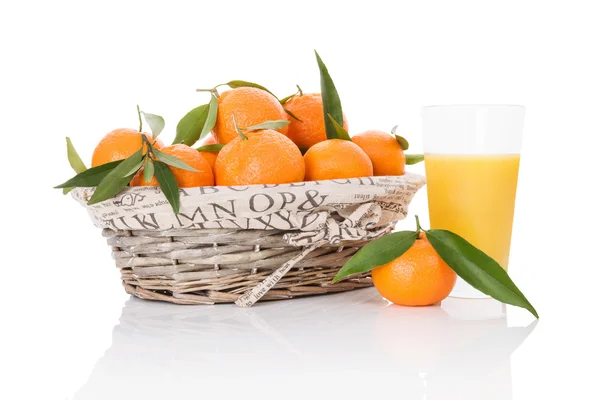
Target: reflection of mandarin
point(250, 106)
point(422, 348)
point(210, 156)
point(385, 152)
point(418, 277)
point(120, 144)
point(184, 178)
point(266, 156)
point(336, 159)
point(310, 129)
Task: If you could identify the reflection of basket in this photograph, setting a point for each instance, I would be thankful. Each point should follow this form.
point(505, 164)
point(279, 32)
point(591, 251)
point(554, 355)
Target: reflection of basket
point(290, 246)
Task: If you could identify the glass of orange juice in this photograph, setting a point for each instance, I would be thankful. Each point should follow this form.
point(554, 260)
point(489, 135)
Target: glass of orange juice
point(472, 155)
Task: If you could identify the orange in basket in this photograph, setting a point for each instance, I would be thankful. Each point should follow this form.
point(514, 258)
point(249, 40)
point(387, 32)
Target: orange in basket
point(120, 144)
point(250, 106)
point(335, 159)
point(311, 129)
point(264, 156)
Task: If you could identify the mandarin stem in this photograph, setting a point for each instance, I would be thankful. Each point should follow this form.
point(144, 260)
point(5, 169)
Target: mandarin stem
point(419, 229)
point(213, 91)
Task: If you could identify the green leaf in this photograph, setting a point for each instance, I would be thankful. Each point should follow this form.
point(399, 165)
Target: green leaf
point(237, 129)
point(412, 159)
point(379, 252)
point(90, 177)
point(401, 140)
point(116, 179)
point(211, 117)
point(340, 131)
point(168, 184)
point(291, 114)
point(215, 148)
point(75, 162)
point(477, 269)
point(148, 170)
point(275, 125)
point(134, 169)
point(239, 84)
point(173, 161)
point(190, 127)
point(285, 99)
point(74, 159)
point(155, 122)
point(331, 101)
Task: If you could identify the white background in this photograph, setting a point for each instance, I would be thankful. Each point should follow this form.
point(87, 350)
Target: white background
point(79, 68)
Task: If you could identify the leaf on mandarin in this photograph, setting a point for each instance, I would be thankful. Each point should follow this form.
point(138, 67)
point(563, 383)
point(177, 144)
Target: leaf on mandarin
point(148, 170)
point(238, 84)
point(401, 140)
point(275, 125)
point(172, 161)
point(215, 148)
point(331, 100)
point(90, 177)
point(75, 162)
point(74, 159)
point(340, 131)
point(412, 159)
point(298, 93)
point(155, 122)
point(477, 268)
point(211, 117)
point(190, 127)
point(237, 129)
point(116, 179)
point(168, 184)
point(378, 252)
point(134, 169)
point(291, 114)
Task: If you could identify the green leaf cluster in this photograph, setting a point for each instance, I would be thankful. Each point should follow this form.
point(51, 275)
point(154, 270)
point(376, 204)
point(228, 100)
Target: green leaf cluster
point(110, 178)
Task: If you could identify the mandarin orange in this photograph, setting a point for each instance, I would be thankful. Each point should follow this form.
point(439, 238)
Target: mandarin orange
point(265, 156)
point(336, 159)
point(311, 129)
point(418, 277)
point(120, 144)
point(385, 152)
point(250, 106)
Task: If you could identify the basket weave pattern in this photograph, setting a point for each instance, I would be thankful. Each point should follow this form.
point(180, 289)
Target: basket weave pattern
point(208, 266)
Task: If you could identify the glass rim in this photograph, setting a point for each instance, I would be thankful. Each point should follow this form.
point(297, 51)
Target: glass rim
point(475, 105)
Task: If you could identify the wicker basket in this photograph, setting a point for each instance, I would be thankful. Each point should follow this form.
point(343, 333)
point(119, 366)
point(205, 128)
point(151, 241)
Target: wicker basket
point(207, 266)
point(210, 262)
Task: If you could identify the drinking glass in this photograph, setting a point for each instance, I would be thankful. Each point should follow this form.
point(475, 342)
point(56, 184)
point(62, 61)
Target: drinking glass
point(472, 155)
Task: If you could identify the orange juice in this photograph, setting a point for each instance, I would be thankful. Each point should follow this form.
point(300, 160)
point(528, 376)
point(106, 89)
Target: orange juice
point(474, 197)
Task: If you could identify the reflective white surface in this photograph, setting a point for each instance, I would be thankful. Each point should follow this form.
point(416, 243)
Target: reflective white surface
point(74, 68)
point(352, 343)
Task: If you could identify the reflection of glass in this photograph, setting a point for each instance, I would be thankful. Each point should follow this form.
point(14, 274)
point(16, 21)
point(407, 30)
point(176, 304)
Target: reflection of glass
point(350, 344)
point(472, 164)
